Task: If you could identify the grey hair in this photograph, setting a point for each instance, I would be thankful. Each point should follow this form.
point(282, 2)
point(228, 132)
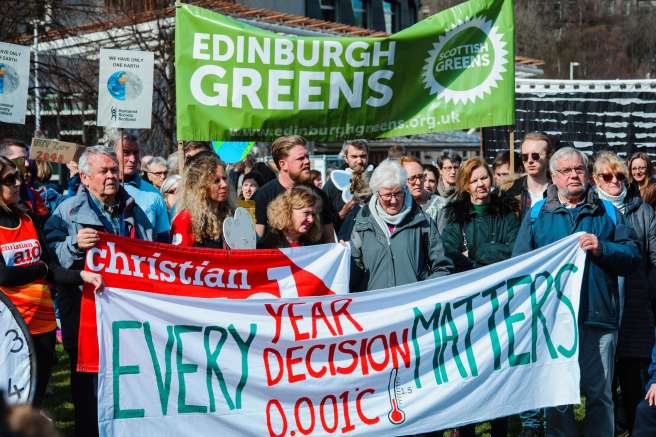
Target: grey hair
point(173, 163)
point(564, 153)
point(388, 174)
point(158, 160)
point(170, 183)
point(358, 144)
point(89, 152)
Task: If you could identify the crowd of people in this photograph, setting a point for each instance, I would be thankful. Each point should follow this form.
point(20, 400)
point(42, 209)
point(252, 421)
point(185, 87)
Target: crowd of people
point(406, 221)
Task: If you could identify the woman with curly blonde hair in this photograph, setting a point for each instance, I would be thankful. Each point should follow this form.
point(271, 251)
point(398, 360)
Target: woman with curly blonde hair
point(204, 202)
point(293, 220)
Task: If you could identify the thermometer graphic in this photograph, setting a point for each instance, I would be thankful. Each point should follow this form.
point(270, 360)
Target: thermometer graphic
point(396, 416)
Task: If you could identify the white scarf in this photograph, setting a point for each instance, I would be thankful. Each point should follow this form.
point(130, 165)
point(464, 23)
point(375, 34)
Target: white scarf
point(382, 218)
point(617, 201)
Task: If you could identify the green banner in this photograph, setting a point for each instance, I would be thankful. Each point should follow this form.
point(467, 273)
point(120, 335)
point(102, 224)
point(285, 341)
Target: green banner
point(454, 70)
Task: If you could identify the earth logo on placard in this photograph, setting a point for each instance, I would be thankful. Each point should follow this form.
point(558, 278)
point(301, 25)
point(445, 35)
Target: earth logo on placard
point(124, 85)
point(8, 79)
point(466, 62)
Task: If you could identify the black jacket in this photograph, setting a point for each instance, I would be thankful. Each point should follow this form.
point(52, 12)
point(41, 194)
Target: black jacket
point(486, 238)
point(518, 194)
point(637, 327)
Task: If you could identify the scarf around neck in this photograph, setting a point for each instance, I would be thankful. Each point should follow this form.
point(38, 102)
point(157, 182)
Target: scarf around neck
point(617, 201)
point(384, 219)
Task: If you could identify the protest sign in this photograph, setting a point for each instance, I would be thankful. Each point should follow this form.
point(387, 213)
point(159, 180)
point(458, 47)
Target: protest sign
point(436, 354)
point(44, 149)
point(454, 70)
point(14, 79)
point(188, 271)
point(125, 88)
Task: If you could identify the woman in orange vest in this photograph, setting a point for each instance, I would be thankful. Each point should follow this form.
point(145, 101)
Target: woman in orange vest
point(26, 269)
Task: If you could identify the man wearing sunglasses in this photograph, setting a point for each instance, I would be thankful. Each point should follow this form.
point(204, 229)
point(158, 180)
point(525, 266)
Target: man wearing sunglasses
point(528, 189)
point(610, 242)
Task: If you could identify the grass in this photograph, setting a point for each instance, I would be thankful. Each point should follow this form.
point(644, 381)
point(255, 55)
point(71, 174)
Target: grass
point(59, 406)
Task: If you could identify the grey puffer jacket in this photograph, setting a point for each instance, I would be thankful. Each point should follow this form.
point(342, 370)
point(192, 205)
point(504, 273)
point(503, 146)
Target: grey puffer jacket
point(413, 253)
point(637, 326)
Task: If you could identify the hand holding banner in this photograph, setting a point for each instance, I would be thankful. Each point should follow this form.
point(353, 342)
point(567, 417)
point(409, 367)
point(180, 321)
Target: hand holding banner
point(420, 357)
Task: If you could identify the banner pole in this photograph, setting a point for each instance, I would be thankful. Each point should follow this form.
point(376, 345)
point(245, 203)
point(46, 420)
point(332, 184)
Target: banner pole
point(511, 139)
point(178, 3)
point(119, 153)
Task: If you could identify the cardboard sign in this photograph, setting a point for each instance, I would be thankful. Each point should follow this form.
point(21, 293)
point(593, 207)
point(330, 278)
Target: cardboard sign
point(125, 89)
point(44, 149)
point(14, 79)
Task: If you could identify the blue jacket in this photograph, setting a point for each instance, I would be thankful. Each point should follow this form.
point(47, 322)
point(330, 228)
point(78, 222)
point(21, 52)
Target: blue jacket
point(619, 252)
point(61, 229)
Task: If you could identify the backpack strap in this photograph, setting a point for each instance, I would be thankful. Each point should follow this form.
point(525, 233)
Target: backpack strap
point(611, 212)
point(535, 210)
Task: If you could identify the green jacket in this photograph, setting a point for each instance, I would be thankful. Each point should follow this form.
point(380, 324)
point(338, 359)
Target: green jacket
point(486, 238)
point(413, 253)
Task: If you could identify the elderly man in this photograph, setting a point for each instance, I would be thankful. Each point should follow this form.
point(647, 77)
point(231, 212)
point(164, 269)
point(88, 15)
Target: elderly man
point(148, 197)
point(99, 205)
point(157, 170)
point(356, 156)
point(570, 207)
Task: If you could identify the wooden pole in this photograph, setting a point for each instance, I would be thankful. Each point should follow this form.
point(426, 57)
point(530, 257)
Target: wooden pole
point(511, 140)
point(119, 155)
point(180, 143)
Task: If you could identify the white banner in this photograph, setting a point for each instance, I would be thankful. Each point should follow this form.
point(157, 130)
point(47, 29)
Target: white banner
point(14, 79)
point(125, 88)
point(478, 345)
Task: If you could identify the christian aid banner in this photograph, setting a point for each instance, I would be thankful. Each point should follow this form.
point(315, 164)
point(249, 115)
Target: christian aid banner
point(432, 355)
point(454, 70)
point(164, 269)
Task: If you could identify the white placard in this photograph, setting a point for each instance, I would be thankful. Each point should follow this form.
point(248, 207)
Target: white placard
point(125, 88)
point(14, 79)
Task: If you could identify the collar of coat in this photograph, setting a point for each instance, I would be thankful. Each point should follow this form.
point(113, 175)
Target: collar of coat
point(365, 221)
point(461, 210)
point(591, 201)
point(81, 211)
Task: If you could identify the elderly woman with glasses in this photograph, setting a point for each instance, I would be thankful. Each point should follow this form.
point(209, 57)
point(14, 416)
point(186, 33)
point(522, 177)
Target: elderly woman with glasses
point(637, 327)
point(393, 241)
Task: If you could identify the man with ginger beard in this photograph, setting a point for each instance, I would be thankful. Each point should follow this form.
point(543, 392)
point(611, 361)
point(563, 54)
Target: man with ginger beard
point(292, 159)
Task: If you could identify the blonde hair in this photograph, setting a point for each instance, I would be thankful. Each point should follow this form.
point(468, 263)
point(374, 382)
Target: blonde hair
point(43, 171)
point(279, 211)
point(610, 160)
point(207, 215)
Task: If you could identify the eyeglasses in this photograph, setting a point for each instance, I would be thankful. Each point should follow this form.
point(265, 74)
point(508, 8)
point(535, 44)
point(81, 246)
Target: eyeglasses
point(11, 179)
point(417, 178)
point(638, 168)
point(159, 173)
point(387, 197)
point(531, 156)
point(567, 171)
point(450, 168)
point(608, 177)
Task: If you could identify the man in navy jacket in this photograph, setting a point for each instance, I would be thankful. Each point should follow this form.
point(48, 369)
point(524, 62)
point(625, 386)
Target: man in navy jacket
point(570, 207)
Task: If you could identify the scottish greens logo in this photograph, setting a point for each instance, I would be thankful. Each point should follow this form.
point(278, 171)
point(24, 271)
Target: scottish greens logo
point(466, 62)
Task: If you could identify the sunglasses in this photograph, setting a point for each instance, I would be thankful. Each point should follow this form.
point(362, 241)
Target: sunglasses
point(532, 156)
point(608, 177)
point(11, 179)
